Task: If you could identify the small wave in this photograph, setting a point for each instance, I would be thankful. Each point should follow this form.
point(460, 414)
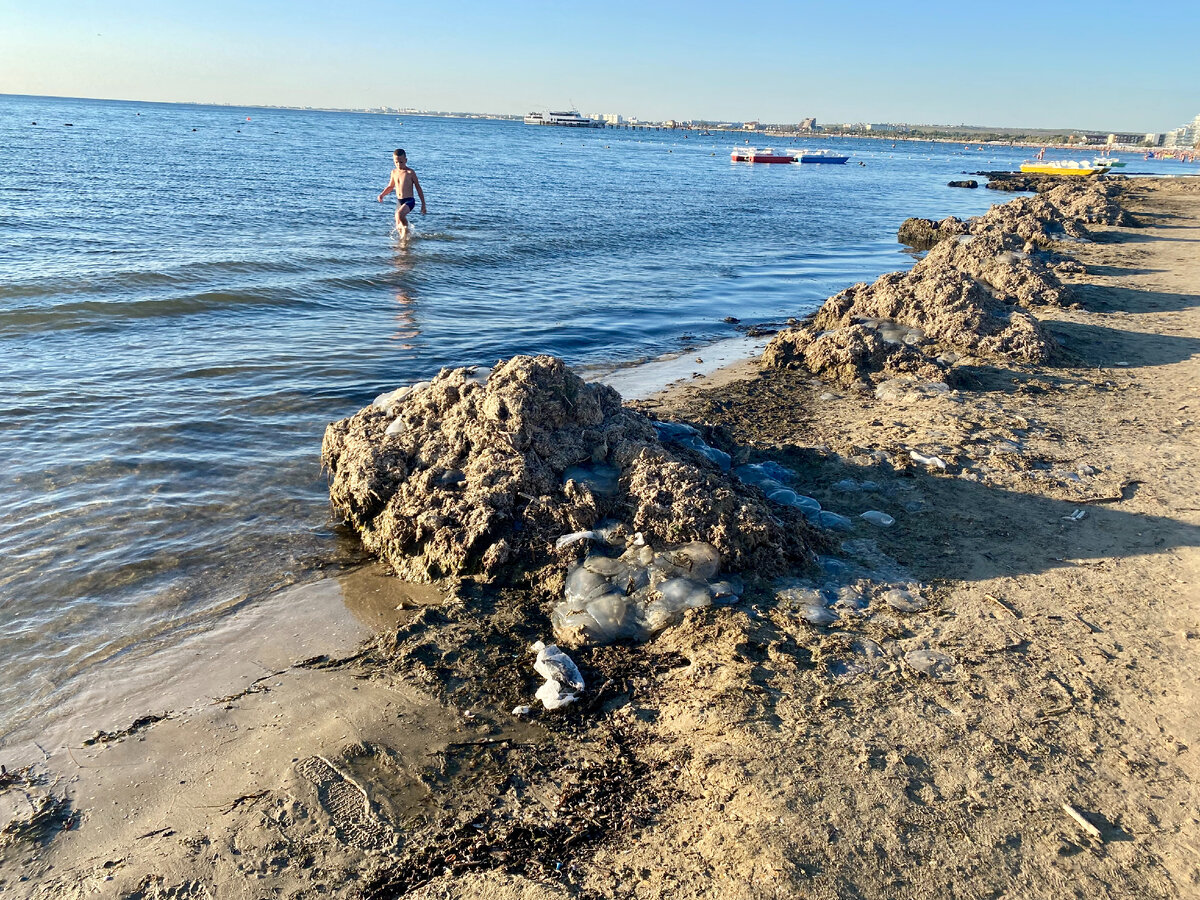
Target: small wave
point(98, 313)
point(124, 281)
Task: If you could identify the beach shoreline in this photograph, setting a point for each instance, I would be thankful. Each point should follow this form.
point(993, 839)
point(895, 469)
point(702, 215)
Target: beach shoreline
point(740, 765)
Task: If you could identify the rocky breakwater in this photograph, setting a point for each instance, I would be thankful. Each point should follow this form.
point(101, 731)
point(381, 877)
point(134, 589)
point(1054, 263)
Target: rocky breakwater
point(526, 475)
point(968, 299)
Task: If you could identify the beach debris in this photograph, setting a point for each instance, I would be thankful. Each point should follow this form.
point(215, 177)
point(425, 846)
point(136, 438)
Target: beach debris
point(44, 815)
point(522, 710)
point(997, 260)
point(934, 462)
point(1093, 203)
point(1034, 219)
point(933, 663)
point(831, 520)
point(1082, 821)
point(849, 355)
point(808, 603)
point(923, 234)
point(563, 681)
point(1078, 516)
point(639, 593)
point(875, 517)
point(506, 476)
point(907, 389)
point(686, 436)
point(864, 657)
point(903, 322)
point(958, 302)
point(952, 310)
point(1003, 605)
point(568, 539)
point(906, 599)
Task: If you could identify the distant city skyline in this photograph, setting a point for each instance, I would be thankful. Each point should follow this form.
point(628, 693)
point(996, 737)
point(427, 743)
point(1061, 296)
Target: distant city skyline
point(1068, 64)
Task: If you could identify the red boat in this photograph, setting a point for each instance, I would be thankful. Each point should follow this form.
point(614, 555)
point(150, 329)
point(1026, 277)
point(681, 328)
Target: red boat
point(754, 155)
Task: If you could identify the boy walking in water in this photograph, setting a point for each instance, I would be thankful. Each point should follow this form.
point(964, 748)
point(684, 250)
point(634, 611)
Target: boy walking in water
point(403, 181)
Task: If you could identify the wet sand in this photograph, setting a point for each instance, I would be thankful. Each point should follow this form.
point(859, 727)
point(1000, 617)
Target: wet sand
point(745, 753)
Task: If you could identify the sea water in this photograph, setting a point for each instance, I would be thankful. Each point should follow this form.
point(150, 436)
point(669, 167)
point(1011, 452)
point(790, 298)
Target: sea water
point(189, 294)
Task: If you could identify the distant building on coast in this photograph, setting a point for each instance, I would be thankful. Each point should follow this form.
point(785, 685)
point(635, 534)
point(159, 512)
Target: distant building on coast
point(809, 124)
point(1185, 137)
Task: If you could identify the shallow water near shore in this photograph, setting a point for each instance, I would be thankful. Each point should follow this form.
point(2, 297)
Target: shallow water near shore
point(189, 294)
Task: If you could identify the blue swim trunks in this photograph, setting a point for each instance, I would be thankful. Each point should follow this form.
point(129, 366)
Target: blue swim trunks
point(410, 202)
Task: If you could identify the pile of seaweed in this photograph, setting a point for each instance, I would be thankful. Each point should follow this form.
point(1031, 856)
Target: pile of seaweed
point(516, 473)
point(967, 299)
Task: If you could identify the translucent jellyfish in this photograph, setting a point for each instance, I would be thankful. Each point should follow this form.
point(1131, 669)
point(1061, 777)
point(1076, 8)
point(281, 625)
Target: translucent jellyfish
point(701, 560)
point(809, 603)
point(756, 474)
point(933, 663)
point(388, 401)
point(850, 598)
point(479, 374)
point(674, 431)
point(728, 590)
point(605, 565)
point(687, 436)
point(875, 517)
point(776, 471)
point(583, 585)
point(906, 599)
point(685, 593)
point(832, 521)
point(600, 479)
point(816, 615)
point(612, 618)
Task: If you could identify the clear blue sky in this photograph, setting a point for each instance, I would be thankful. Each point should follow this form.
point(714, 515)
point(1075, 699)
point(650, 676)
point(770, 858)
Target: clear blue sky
point(1124, 66)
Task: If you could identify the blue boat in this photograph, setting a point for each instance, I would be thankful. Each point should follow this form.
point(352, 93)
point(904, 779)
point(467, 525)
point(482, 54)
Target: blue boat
point(818, 156)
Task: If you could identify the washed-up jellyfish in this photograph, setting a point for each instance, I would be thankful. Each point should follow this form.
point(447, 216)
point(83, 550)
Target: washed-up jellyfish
point(933, 663)
point(687, 436)
point(599, 478)
point(809, 604)
point(906, 599)
point(831, 520)
point(583, 584)
point(702, 561)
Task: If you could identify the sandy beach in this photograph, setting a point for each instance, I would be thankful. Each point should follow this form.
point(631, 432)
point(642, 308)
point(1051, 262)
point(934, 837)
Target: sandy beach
point(1028, 732)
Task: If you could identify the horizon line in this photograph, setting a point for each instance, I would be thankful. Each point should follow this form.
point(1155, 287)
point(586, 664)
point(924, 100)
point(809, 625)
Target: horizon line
point(369, 109)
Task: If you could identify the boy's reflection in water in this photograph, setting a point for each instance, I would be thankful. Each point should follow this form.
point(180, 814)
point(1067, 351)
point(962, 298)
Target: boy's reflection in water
point(406, 321)
point(407, 329)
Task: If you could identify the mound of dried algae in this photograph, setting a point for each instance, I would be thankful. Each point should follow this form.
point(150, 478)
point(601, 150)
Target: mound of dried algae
point(467, 475)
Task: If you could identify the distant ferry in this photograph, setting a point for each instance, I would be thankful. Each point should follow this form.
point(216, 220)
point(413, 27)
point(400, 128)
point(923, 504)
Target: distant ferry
point(568, 119)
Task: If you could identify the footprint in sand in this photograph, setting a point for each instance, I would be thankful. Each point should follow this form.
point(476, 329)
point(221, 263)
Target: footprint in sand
point(346, 803)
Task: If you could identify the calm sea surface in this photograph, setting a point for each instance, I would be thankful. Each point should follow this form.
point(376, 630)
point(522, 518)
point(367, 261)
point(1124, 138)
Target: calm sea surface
point(188, 295)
